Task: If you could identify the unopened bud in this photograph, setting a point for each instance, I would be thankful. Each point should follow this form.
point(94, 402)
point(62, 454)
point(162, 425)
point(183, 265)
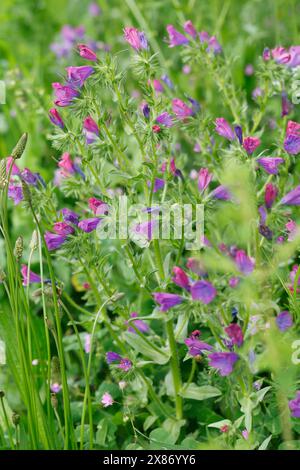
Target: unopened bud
point(26, 191)
point(2, 275)
point(3, 177)
point(18, 251)
point(20, 147)
point(15, 417)
point(34, 241)
point(54, 401)
point(55, 370)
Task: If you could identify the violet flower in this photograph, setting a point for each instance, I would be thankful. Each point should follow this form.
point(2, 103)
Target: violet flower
point(203, 291)
point(270, 164)
point(190, 29)
point(244, 263)
point(180, 109)
point(135, 38)
point(62, 228)
point(15, 193)
point(271, 193)
point(29, 177)
point(223, 361)
point(292, 198)
point(294, 406)
point(250, 144)
point(70, 216)
point(87, 53)
point(165, 119)
point(33, 277)
point(90, 224)
point(55, 118)
point(167, 301)
point(175, 37)
point(180, 278)
point(214, 45)
point(90, 129)
point(159, 183)
point(223, 129)
point(284, 320)
point(98, 207)
point(64, 94)
point(139, 324)
point(107, 400)
point(78, 75)
point(196, 347)
point(235, 333)
point(239, 133)
point(221, 192)
point(54, 241)
point(204, 178)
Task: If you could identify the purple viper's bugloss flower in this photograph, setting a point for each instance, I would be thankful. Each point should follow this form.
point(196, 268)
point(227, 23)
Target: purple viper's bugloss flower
point(86, 53)
point(175, 37)
point(91, 129)
point(29, 177)
point(159, 183)
point(292, 198)
point(214, 45)
point(180, 278)
point(270, 164)
point(145, 109)
point(233, 282)
point(203, 291)
point(167, 301)
point(204, 178)
point(112, 356)
point(270, 195)
point(94, 9)
point(221, 192)
point(266, 54)
point(203, 36)
point(223, 361)
point(292, 144)
point(125, 364)
point(145, 229)
point(55, 118)
point(15, 193)
point(294, 406)
point(286, 105)
point(281, 55)
point(235, 333)
point(55, 387)
point(265, 231)
point(284, 320)
point(78, 75)
point(97, 206)
point(195, 266)
point(33, 278)
point(135, 38)
point(62, 228)
point(88, 225)
point(158, 86)
point(190, 29)
point(196, 347)
point(244, 263)
point(180, 109)
point(139, 324)
point(239, 133)
point(165, 119)
point(250, 144)
point(64, 94)
point(54, 241)
point(11, 167)
point(70, 216)
point(223, 129)
point(166, 79)
point(107, 400)
point(66, 164)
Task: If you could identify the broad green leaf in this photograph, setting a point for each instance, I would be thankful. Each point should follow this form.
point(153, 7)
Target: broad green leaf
point(200, 393)
point(143, 347)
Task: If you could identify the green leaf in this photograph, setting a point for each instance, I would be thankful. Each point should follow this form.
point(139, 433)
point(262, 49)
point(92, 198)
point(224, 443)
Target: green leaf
point(265, 443)
point(200, 393)
point(162, 436)
point(143, 347)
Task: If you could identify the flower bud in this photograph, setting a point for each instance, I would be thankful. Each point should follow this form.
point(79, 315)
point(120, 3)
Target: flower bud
point(34, 241)
point(3, 177)
point(18, 251)
point(54, 401)
point(2, 275)
point(20, 147)
point(15, 417)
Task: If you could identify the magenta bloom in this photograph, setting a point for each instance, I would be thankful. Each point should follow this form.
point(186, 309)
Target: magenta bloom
point(78, 75)
point(70, 216)
point(145, 229)
point(15, 193)
point(176, 38)
point(33, 278)
point(86, 52)
point(180, 278)
point(139, 324)
point(66, 164)
point(180, 109)
point(204, 179)
point(270, 195)
point(284, 320)
point(203, 291)
point(12, 167)
point(55, 387)
point(266, 54)
point(214, 45)
point(107, 400)
point(167, 301)
point(88, 225)
point(54, 241)
point(235, 333)
point(190, 29)
point(196, 347)
point(55, 118)
point(159, 183)
point(223, 361)
point(292, 198)
point(158, 86)
point(135, 38)
point(64, 94)
point(294, 406)
point(125, 364)
point(270, 164)
point(97, 206)
point(90, 129)
point(165, 119)
point(87, 343)
point(281, 55)
point(221, 192)
point(29, 177)
point(286, 105)
point(62, 228)
point(204, 36)
point(233, 282)
point(244, 263)
point(250, 144)
point(292, 138)
point(112, 356)
point(195, 266)
point(223, 129)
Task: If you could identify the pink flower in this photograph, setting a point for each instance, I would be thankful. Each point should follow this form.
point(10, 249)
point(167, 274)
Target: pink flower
point(270, 195)
point(62, 228)
point(135, 38)
point(33, 278)
point(86, 52)
point(223, 129)
point(55, 118)
point(180, 278)
point(190, 29)
point(176, 38)
point(107, 399)
point(250, 144)
point(97, 206)
point(180, 109)
point(204, 179)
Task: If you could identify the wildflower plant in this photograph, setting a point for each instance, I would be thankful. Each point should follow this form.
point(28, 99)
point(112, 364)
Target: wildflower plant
point(157, 344)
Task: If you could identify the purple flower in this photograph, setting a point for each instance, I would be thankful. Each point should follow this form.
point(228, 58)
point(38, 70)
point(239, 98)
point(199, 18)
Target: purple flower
point(266, 54)
point(294, 406)
point(145, 229)
point(125, 364)
point(203, 291)
point(286, 105)
point(29, 177)
point(250, 144)
point(180, 109)
point(91, 129)
point(233, 282)
point(195, 266)
point(244, 263)
point(55, 118)
point(180, 278)
point(112, 356)
point(167, 301)
point(135, 38)
point(270, 164)
point(223, 129)
point(221, 192)
point(88, 225)
point(176, 38)
point(292, 144)
point(292, 198)
point(53, 240)
point(70, 216)
point(139, 324)
point(284, 320)
point(223, 361)
point(145, 109)
point(165, 119)
point(214, 45)
point(97, 206)
point(158, 86)
point(87, 343)
point(94, 9)
point(107, 400)
point(64, 94)
point(235, 333)
point(204, 179)
point(203, 36)
point(158, 184)
point(12, 167)
point(78, 75)
point(86, 52)
point(33, 278)
point(239, 133)
point(55, 387)
point(15, 193)
point(190, 29)
point(270, 195)
point(196, 347)
point(62, 228)
point(167, 81)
